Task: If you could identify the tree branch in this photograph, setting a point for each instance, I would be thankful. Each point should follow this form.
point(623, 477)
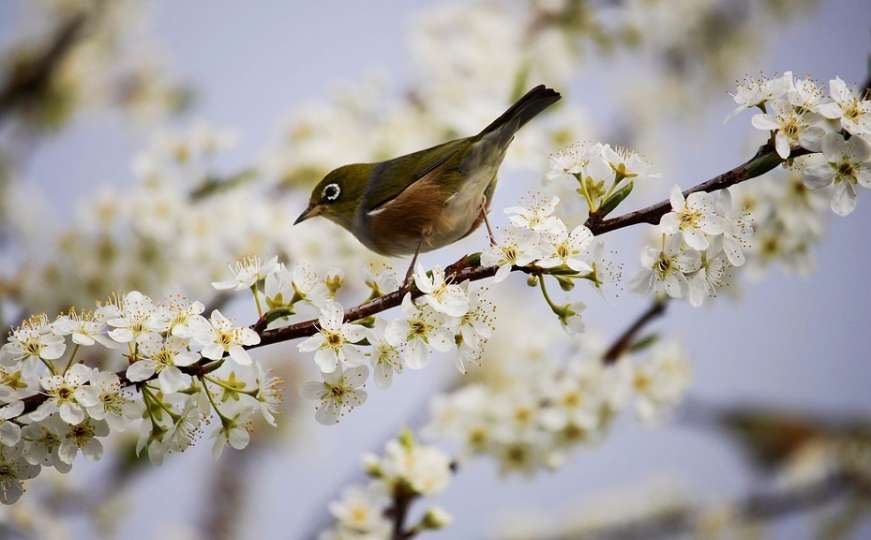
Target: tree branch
point(468, 267)
point(624, 342)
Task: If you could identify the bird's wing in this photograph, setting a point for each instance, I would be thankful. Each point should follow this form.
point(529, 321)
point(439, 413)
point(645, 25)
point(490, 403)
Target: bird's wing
point(390, 178)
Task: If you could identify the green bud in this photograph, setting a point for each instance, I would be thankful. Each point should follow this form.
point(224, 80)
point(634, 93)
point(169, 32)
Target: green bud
point(565, 283)
point(434, 519)
point(532, 281)
point(406, 439)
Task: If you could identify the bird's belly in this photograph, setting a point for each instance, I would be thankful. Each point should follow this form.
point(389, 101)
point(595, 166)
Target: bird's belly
point(447, 220)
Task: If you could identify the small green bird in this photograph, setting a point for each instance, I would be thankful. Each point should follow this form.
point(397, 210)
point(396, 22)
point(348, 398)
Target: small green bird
point(428, 199)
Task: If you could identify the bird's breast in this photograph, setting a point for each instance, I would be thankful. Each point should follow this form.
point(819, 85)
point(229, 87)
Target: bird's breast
point(430, 214)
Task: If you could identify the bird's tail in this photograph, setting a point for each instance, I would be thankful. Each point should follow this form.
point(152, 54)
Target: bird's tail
point(527, 107)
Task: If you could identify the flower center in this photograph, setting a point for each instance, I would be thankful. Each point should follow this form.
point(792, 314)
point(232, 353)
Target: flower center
point(418, 328)
point(846, 171)
point(663, 265)
point(226, 338)
point(334, 340)
point(689, 219)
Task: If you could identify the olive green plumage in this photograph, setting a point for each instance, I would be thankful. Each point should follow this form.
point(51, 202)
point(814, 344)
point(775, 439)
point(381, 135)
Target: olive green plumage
point(430, 198)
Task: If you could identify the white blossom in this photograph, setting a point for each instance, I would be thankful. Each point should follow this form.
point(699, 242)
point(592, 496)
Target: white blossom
point(792, 127)
point(222, 337)
point(84, 329)
point(660, 381)
point(384, 357)
point(67, 394)
point(14, 469)
point(334, 342)
point(361, 511)
point(737, 227)
point(569, 249)
point(82, 436)
point(844, 165)
point(137, 318)
point(339, 393)
point(516, 248)
point(163, 356)
point(444, 297)
point(33, 340)
point(663, 268)
point(757, 92)
point(417, 332)
point(111, 404)
point(246, 273)
point(693, 217)
point(537, 215)
point(849, 107)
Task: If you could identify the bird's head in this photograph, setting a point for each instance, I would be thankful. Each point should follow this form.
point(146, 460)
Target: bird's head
point(338, 195)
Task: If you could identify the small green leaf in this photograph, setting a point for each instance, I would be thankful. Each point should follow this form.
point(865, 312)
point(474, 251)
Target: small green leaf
point(643, 342)
point(278, 313)
point(615, 199)
point(214, 185)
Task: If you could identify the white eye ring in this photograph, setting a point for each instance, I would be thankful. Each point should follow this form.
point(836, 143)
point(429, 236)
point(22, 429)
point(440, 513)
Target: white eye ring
point(331, 192)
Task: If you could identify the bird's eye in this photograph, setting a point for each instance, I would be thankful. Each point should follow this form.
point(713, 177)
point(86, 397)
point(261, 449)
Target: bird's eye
point(331, 192)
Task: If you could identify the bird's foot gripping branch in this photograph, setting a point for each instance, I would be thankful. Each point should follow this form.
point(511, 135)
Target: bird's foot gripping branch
point(175, 373)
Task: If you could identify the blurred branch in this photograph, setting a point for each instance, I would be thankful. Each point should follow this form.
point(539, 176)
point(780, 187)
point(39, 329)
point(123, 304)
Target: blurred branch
point(32, 78)
point(750, 509)
point(625, 341)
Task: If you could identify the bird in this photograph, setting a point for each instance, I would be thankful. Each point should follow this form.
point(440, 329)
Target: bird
point(428, 199)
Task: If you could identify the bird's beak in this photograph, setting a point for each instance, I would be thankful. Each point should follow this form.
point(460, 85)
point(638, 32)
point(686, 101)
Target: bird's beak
point(309, 212)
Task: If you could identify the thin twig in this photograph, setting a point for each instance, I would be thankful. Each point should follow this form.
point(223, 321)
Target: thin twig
point(624, 342)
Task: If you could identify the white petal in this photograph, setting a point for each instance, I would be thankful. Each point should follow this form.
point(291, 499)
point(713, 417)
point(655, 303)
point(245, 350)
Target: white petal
point(240, 355)
point(141, 370)
point(326, 360)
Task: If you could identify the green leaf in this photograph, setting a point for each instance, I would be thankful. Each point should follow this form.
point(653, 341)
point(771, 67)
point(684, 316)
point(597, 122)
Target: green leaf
point(278, 313)
point(615, 199)
point(213, 185)
point(643, 342)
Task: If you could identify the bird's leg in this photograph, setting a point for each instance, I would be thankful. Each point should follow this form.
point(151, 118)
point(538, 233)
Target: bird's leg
point(487, 223)
point(410, 272)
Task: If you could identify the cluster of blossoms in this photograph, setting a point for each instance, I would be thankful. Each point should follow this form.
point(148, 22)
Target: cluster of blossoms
point(448, 317)
point(407, 471)
point(533, 418)
point(837, 128)
point(176, 372)
point(542, 244)
point(696, 247)
point(825, 140)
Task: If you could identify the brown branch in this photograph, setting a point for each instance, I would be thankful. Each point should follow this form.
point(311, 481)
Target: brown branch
point(467, 268)
point(624, 341)
point(765, 160)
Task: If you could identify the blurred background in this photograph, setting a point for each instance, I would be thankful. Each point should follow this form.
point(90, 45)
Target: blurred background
point(151, 143)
